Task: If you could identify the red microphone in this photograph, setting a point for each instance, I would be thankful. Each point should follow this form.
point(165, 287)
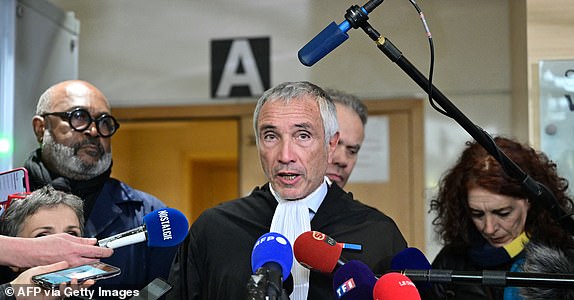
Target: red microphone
point(395, 286)
point(317, 251)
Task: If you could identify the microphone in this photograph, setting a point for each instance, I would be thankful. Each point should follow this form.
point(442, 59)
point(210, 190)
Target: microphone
point(163, 227)
point(540, 258)
point(395, 286)
point(334, 35)
point(318, 252)
point(412, 258)
point(271, 263)
point(354, 280)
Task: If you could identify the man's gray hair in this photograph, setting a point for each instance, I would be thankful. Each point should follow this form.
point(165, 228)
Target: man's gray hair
point(288, 91)
point(351, 101)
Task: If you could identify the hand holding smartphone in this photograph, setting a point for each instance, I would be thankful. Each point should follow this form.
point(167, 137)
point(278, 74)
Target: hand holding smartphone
point(95, 271)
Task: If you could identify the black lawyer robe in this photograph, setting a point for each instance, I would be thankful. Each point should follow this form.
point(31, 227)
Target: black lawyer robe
point(214, 262)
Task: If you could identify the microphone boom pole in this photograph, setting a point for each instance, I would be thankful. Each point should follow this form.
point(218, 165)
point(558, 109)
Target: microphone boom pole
point(537, 190)
point(492, 278)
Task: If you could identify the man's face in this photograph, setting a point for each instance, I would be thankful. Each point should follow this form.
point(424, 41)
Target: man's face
point(75, 154)
point(351, 136)
point(292, 146)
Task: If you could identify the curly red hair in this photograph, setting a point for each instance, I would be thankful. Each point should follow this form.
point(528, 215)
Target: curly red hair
point(477, 168)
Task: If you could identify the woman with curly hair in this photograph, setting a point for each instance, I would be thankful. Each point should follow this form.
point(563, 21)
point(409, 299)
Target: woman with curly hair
point(485, 218)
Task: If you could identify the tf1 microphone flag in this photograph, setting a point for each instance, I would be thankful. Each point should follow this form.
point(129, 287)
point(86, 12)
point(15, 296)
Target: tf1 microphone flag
point(354, 280)
point(164, 227)
point(395, 286)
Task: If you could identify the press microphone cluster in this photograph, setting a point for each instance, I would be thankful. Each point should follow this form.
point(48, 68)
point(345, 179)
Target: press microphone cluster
point(351, 279)
point(356, 281)
point(163, 227)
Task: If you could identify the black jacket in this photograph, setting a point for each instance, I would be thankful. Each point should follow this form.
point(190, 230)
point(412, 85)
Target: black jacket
point(214, 262)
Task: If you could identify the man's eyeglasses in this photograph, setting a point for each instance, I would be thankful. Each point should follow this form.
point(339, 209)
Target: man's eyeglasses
point(80, 119)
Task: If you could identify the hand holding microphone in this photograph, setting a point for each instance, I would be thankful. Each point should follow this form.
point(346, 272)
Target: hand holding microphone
point(163, 227)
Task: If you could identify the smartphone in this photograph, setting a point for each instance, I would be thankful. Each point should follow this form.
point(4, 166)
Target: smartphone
point(96, 271)
point(12, 182)
point(154, 290)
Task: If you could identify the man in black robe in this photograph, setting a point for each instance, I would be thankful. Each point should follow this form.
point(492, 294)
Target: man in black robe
point(296, 134)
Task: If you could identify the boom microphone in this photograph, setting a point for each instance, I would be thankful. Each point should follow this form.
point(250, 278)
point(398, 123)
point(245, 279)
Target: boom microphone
point(271, 263)
point(334, 35)
point(395, 286)
point(354, 280)
point(163, 227)
point(318, 251)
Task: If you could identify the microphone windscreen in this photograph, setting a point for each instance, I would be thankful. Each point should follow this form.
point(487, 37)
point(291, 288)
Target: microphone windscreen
point(354, 280)
point(317, 251)
point(165, 227)
point(272, 247)
point(412, 259)
point(544, 259)
point(395, 286)
point(323, 43)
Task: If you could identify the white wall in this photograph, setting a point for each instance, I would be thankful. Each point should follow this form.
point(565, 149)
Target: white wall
point(143, 52)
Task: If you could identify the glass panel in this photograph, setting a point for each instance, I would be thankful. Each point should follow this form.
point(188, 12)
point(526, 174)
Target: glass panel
point(557, 114)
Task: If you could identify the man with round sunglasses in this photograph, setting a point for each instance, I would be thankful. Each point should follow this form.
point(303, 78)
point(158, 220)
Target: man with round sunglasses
point(74, 125)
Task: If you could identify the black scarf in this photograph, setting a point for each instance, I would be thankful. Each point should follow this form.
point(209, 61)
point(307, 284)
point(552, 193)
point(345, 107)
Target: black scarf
point(485, 255)
point(88, 190)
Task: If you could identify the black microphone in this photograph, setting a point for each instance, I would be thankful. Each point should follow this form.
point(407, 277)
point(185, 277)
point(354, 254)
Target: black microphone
point(540, 258)
point(334, 35)
point(492, 278)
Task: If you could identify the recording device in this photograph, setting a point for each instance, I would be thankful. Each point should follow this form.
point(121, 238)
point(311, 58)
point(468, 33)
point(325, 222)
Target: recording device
point(12, 183)
point(395, 286)
point(271, 263)
point(95, 271)
point(354, 280)
point(153, 290)
point(163, 227)
point(334, 35)
point(318, 252)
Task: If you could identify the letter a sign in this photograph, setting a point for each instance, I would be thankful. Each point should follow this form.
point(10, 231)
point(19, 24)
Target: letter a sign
point(240, 67)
